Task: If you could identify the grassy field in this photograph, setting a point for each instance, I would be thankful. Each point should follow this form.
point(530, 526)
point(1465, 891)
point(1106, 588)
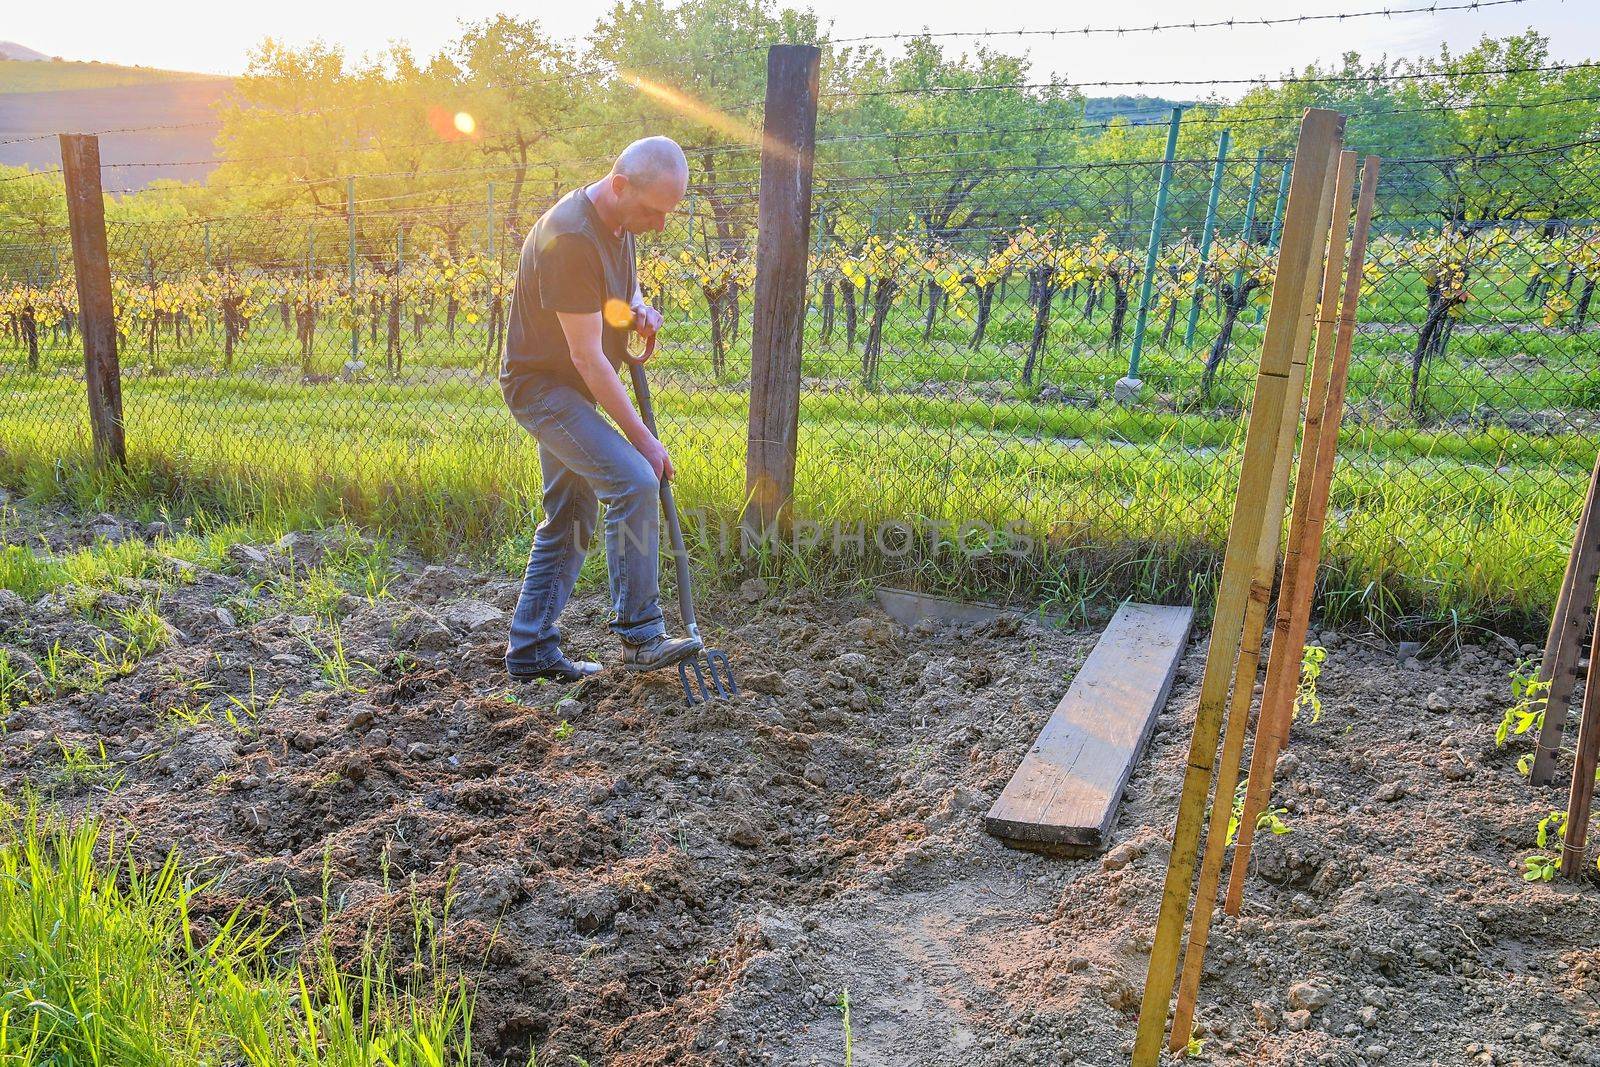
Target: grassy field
point(17, 76)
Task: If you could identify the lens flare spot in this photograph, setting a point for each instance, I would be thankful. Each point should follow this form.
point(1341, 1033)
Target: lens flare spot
point(465, 123)
point(618, 314)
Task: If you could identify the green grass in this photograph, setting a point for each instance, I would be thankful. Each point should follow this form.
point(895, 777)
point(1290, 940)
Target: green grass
point(103, 961)
point(1462, 521)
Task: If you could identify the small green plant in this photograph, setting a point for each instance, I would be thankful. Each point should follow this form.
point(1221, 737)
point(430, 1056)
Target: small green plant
point(1540, 868)
point(337, 667)
point(1527, 712)
point(564, 731)
point(1556, 821)
point(1271, 820)
point(1196, 1048)
point(14, 690)
point(146, 630)
point(239, 712)
point(81, 765)
point(1305, 694)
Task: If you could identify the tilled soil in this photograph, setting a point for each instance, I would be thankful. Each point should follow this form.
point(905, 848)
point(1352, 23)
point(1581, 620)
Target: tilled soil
point(633, 881)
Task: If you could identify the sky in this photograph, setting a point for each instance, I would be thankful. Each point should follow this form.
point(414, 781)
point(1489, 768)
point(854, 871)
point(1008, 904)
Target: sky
point(203, 35)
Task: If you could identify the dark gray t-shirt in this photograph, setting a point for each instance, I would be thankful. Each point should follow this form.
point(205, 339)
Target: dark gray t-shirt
point(570, 262)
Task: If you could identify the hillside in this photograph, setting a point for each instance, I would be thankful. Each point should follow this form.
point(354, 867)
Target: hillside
point(36, 76)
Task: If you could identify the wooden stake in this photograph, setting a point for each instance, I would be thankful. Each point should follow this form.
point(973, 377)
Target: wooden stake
point(1573, 617)
point(1336, 190)
point(1320, 132)
point(1303, 555)
point(1574, 855)
point(86, 219)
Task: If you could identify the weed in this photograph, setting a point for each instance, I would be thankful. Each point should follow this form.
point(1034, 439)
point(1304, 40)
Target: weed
point(337, 667)
point(82, 766)
point(1305, 695)
point(250, 707)
point(146, 631)
point(15, 691)
point(564, 730)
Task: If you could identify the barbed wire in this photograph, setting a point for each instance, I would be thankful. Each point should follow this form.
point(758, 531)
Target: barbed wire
point(1287, 79)
point(1160, 27)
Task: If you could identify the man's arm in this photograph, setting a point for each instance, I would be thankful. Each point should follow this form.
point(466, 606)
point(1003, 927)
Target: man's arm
point(583, 340)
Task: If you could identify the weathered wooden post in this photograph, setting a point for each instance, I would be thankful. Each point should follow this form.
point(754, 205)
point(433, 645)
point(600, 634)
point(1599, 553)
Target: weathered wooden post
point(788, 150)
point(86, 218)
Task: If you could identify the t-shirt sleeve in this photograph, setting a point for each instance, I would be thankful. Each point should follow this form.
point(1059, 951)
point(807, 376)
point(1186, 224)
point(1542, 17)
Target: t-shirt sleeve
point(570, 276)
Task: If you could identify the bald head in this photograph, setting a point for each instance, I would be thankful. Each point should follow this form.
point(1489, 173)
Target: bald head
point(655, 164)
point(645, 185)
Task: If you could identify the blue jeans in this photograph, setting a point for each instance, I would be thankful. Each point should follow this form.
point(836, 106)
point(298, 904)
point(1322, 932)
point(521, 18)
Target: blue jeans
point(585, 461)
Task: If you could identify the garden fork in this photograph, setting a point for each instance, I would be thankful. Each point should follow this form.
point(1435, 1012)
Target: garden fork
point(717, 664)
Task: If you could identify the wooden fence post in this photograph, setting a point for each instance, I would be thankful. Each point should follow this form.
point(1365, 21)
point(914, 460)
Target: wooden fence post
point(783, 241)
point(86, 217)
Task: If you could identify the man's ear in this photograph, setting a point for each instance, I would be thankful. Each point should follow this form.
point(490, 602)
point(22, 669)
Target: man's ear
point(619, 183)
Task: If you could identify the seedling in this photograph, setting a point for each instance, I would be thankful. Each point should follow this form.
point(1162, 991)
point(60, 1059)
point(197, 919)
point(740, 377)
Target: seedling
point(1527, 713)
point(564, 730)
point(1540, 868)
point(1305, 695)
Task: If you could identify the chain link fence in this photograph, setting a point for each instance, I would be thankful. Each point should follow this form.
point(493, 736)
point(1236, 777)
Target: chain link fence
point(967, 328)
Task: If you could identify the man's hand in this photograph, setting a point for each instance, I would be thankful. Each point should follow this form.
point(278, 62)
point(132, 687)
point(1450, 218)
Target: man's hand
point(646, 320)
point(655, 454)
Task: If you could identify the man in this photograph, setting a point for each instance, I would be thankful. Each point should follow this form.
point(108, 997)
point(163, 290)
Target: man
point(577, 296)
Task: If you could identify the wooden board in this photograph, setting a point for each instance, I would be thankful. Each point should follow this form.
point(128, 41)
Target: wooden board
point(907, 608)
point(1065, 794)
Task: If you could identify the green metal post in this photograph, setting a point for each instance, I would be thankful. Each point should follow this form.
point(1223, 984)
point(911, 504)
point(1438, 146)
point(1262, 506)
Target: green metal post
point(1277, 225)
point(1129, 386)
point(355, 323)
point(1250, 211)
point(489, 224)
point(1206, 234)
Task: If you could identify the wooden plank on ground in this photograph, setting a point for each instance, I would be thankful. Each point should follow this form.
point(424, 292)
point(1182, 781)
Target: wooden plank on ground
point(1064, 796)
point(908, 608)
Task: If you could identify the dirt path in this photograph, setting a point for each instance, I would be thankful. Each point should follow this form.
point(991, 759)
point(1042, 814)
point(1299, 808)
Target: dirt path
point(635, 882)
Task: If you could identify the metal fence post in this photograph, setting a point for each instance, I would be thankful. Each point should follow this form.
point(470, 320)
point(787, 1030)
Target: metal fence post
point(1206, 234)
point(1276, 232)
point(86, 218)
point(1127, 389)
point(1250, 212)
point(783, 240)
point(355, 318)
point(211, 320)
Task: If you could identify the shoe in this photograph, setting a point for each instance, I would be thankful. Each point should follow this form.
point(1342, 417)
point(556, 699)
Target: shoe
point(660, 651)
point(562, 670)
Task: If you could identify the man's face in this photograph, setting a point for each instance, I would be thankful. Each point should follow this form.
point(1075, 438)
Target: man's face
point(644, 208)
